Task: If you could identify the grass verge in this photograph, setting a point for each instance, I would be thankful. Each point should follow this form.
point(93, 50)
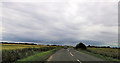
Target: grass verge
point(98, 55)
point(43, 56)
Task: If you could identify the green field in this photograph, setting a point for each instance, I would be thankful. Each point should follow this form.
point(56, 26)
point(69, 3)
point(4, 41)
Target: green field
point(109, 52)
point(14, 52)
point(104, 53)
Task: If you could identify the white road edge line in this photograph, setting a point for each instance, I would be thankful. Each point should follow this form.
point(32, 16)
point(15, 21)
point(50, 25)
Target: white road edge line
point(79, 60)
point(71, 54)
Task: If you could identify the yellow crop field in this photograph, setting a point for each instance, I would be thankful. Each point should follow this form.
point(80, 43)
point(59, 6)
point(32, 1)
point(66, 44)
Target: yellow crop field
point(20, 46)
point(109, 52)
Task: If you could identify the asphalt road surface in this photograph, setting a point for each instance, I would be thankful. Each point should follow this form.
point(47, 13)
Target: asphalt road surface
point(72, 56)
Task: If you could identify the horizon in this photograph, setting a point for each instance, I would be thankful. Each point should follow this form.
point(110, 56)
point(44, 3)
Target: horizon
point(39, 43)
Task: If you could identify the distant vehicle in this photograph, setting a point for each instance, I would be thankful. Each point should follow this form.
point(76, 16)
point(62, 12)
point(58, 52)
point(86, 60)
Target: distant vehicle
point(65, 47)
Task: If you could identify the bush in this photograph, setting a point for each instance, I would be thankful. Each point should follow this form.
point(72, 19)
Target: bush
point(81, 46)
point(9, 56)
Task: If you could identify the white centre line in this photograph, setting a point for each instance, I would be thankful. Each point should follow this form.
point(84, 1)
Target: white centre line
point(79, 60)
point(71, 54)
point(68, 50)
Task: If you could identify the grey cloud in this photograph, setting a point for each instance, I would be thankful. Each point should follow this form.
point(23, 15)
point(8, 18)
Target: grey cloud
point(67, 21)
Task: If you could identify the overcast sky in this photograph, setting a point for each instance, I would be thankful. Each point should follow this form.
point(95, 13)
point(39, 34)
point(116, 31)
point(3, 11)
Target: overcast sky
point(56, 20)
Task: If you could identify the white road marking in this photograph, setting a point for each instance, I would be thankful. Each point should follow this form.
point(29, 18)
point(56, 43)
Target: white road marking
point(79, 60)
point(68, 50)
point(71, 54)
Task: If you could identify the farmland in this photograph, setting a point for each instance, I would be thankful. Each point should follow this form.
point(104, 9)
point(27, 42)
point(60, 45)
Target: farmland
point(111, 54)
point(14, 52)
point(20, 46)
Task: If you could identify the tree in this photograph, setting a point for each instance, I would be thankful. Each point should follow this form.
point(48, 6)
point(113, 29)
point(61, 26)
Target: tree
point(81, 46)
point(89, 46)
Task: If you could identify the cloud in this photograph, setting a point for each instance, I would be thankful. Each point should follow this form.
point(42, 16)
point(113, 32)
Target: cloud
point(60, 20)
point(60, 0)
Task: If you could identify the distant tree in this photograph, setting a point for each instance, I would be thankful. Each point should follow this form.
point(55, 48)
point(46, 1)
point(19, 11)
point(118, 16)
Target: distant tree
point(89, 46)
point(108, 46)
point(81, 46)
point(48, 45)
point(54, 45)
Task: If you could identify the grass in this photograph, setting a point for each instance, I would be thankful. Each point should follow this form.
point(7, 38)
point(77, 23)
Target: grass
point(0, 47)
point(43, 56)
point(109, 52)
point(99, 55)
point(39, 57)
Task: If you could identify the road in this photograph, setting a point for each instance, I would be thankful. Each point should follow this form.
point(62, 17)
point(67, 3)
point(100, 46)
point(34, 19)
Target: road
point(72, 56)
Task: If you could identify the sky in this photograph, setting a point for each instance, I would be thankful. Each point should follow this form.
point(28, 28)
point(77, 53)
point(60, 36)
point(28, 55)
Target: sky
point(60, 21)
